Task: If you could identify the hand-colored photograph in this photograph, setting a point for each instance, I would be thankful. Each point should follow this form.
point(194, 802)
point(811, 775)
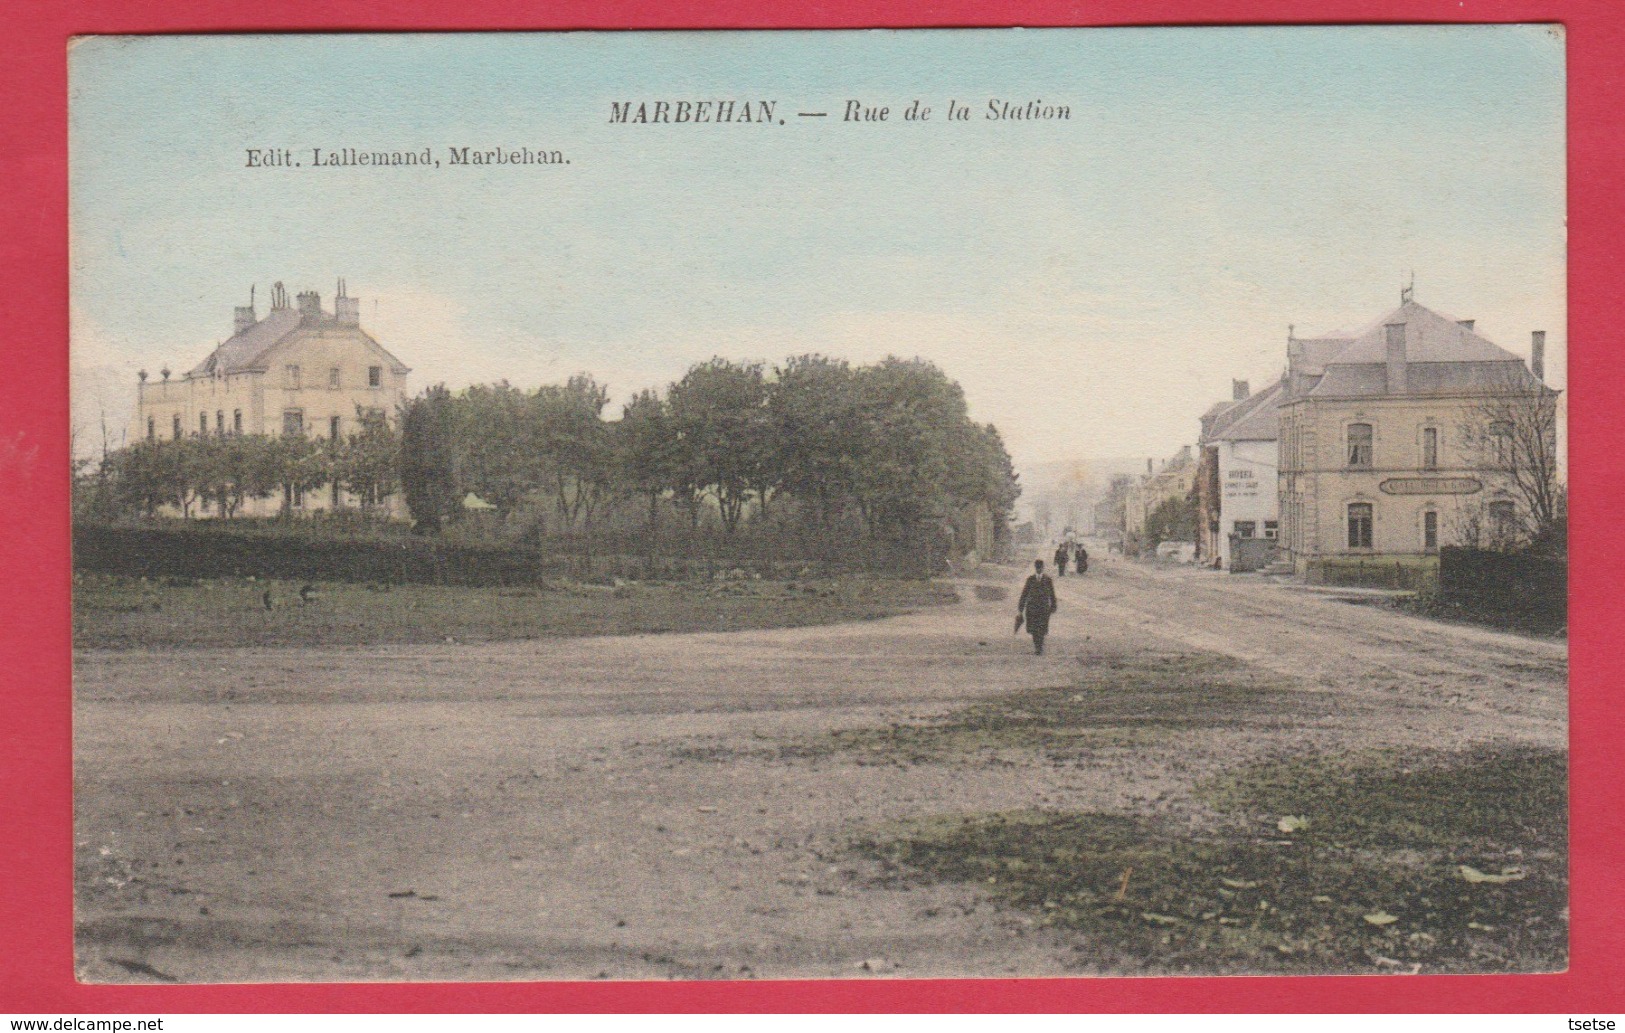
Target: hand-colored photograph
point(819, 504)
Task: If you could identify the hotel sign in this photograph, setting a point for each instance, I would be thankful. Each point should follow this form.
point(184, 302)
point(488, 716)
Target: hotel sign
point(1431, 486)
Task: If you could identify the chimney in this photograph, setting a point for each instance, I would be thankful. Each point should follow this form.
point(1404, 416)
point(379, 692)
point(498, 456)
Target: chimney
point(310, 307)
point(346, 310)
point(1239, 389)
point(244, 314)
point(1466, 324)
point(1537, 354)
point(1396, 358)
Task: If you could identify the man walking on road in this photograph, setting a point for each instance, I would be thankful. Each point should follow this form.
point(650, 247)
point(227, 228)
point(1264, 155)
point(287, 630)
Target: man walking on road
point(1037, 602)
point(1060, 559)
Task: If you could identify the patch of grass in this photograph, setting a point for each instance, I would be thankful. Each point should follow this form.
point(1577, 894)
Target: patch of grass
point(1116, 701)
point(113, 612)
point(1448, 864)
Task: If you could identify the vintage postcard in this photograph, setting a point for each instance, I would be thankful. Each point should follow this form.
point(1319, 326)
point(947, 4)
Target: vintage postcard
point(763, 505)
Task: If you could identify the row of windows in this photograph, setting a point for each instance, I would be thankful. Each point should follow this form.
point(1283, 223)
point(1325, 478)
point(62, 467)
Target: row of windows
point(1362, 453)
point(1359, 451)
point(1249, 529)
point(202, 424)
point(1362, 517)
point(293, 378)
point(293, 422)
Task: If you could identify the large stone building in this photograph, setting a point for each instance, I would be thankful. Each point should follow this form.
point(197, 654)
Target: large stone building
point(299, 370)
point(1236, 485)
point(1382, 442)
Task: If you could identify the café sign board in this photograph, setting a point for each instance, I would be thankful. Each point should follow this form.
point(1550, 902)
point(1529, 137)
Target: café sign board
point(1431, 486)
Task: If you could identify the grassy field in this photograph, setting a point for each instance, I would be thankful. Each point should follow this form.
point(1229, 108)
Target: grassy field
point(1440, 864)
point(111, 612)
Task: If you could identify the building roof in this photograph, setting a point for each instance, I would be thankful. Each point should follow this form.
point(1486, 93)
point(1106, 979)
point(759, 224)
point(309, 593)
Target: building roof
point(1219, 422)
point(1442, 356)
point(1260, 422)
point(246, 350)
point(1429, 337)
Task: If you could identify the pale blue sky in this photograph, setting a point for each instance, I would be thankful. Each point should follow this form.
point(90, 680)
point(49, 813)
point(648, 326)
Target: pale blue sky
point(1094, 283)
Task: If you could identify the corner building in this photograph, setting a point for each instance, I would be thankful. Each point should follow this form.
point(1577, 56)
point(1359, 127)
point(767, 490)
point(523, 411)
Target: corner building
point(1377, 462)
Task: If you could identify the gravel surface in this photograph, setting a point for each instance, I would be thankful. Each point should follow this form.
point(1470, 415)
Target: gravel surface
point(620, 807)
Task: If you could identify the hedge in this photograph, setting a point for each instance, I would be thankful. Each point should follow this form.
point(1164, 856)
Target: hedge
point(189, 552)
point(1525, 590)
point(209, 549)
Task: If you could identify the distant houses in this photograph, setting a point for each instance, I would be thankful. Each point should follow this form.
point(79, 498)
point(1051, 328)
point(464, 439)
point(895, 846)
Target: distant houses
point(1374, 449)
point(1154, 507)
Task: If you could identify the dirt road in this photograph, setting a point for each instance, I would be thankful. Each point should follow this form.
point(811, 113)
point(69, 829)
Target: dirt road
point(622, 807)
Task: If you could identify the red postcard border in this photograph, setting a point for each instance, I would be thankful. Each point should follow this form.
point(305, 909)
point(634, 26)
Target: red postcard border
point(36, 971)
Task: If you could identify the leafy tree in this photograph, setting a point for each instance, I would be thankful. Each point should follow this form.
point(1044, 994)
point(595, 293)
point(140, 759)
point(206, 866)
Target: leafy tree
point(575, 442)
point(498, 444)
point(299, 465)
point(145, 476)
point(1174, 520)
point(238, 468)
point(914, 422)
point(366, 464)
point(818, 432)
point(645, 452)
point(428, 481)
point(718, 411)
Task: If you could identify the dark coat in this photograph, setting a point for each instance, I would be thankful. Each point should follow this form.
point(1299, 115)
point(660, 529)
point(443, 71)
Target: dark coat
point(1061, 557)
point(1081, 559)
point(1037, 602)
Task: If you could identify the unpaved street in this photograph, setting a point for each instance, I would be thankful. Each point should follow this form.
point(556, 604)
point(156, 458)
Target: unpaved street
point(619, 807)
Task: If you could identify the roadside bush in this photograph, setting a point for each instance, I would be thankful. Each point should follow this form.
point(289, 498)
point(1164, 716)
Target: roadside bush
point(1522, 590)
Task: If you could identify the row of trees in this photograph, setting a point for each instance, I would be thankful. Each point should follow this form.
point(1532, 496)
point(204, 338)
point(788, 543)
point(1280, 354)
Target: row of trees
point(886, 449)
point(218, 474)
point(890, 446)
